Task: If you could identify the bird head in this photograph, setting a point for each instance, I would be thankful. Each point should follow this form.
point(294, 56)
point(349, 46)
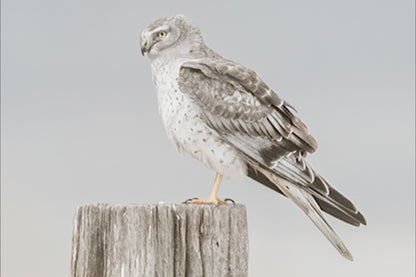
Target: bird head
point(169, 33)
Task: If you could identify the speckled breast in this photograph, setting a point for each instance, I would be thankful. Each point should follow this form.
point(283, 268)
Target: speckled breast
point(186, 129)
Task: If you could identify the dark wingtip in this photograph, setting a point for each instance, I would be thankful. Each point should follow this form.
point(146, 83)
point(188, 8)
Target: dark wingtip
point(362, 219)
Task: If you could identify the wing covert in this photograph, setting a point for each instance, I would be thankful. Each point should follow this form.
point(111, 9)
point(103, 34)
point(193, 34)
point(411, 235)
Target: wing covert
point(243, 109)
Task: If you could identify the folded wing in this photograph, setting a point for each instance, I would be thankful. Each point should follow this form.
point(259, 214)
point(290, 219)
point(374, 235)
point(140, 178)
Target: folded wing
point(248, 115)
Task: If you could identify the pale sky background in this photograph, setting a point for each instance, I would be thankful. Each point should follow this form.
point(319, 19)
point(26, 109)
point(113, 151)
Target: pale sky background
point(80, 125)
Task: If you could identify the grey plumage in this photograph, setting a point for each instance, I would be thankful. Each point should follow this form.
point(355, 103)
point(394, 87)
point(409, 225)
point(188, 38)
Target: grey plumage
point(246, 116)
point(235, 101)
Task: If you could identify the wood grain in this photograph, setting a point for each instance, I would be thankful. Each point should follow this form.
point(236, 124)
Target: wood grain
point(160, 240)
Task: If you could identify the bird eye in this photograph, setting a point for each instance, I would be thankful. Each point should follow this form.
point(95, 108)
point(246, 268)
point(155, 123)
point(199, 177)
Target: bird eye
point(162, 34)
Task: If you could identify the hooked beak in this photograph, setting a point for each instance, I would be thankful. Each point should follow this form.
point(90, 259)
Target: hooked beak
point(145, 44)
point(143, 49)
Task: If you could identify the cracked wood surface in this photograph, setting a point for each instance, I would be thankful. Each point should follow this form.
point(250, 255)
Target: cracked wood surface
point(160, 240)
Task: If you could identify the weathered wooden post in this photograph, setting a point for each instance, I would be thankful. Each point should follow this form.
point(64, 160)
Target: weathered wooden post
point(160, 240)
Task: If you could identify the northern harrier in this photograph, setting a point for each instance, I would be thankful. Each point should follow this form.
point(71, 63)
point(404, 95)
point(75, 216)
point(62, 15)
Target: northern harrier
point(225, 116)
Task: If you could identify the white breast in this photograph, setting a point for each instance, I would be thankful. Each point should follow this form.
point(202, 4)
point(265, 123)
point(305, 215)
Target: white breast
point(184, 126)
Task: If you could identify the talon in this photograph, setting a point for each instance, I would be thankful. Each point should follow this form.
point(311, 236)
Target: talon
point(229, 200)
point(187, 201)
point(214, 201)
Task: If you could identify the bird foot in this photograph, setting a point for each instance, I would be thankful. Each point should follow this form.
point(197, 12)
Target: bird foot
point(209, 200)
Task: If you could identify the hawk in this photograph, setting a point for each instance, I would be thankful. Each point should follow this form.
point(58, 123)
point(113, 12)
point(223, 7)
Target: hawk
point(222, 114)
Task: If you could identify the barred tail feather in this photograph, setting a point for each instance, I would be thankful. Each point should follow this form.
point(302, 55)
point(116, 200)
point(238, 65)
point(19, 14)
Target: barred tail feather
point(334, 203)
point(309, 205)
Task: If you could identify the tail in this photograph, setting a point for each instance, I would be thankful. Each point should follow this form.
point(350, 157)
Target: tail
point(311, 201)
point(333, 203)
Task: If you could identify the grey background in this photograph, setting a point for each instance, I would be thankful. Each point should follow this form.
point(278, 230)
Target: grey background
point(80, 124)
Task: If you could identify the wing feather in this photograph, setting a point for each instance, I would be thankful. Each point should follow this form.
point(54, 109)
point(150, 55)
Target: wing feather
point(230, 95)
point(264, 129)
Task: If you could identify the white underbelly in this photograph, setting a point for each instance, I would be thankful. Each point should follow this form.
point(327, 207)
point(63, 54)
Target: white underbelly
point(186, 129)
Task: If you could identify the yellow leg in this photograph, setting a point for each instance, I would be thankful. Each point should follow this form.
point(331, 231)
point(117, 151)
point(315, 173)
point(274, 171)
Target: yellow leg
point(212, 198)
